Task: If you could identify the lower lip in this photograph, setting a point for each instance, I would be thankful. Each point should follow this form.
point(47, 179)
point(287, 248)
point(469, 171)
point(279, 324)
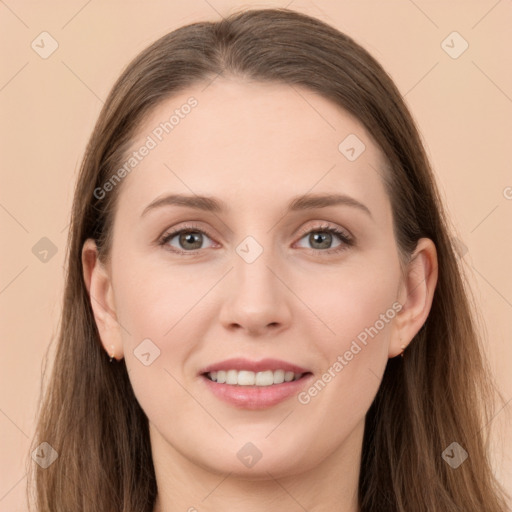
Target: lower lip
point(256, 397)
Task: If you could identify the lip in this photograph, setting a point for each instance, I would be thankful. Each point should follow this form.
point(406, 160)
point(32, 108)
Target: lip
point(239, 363)
point(256, 397)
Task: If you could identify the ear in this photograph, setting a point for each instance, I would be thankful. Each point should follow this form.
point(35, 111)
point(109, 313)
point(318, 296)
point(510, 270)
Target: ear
point(415, 295)
point(99, 287)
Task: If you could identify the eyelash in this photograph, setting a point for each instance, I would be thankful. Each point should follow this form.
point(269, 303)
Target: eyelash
point(346, 239)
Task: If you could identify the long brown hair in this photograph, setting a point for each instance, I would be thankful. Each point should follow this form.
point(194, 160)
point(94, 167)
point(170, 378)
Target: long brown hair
point(440, 392)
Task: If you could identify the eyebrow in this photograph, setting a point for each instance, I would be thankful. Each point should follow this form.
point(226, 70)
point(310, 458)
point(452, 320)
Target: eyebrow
point(211, 204)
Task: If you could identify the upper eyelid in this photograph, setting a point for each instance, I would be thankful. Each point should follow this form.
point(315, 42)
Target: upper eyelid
point(327, 226)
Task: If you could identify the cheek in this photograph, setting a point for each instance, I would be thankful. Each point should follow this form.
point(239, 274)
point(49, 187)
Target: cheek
point(359, 311)
point(161, 329)
point(353, 301)
point(152, 300)
point(158, 312)
point(353, 360)
point(358, 315)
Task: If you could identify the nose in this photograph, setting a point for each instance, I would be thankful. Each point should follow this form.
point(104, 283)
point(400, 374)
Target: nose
point(257, 297)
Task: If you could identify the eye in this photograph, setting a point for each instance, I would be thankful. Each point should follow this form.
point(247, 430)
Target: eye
point(188, 239)
point(322, 237)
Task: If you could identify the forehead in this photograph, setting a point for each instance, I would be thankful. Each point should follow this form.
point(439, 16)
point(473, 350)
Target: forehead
point(252, 140)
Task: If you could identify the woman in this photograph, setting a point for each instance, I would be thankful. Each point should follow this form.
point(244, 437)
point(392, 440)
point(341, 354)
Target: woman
point(256, 369)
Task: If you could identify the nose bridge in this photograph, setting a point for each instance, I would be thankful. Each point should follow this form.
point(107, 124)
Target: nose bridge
point(256, 297)
point(254, 269)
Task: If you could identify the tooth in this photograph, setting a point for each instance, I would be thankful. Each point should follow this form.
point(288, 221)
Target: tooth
point(265, 378)
point(246, 378)
point(249, 378)
point(231, 377)
point(278, 376)
point(288, 376)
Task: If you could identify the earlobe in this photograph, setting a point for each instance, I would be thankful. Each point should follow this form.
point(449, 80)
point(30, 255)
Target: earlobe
point(99, 287)
point(416, 295)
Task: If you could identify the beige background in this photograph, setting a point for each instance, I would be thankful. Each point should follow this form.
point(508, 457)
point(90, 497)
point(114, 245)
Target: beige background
point(463, 107)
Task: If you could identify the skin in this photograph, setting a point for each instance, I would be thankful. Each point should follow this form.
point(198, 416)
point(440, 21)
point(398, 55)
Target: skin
point(255, 146)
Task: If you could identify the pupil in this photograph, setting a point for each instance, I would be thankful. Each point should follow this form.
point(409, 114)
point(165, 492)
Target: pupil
point(321, 237)
point(189, 238)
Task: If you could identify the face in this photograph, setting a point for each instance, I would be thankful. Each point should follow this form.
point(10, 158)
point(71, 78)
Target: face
point(317, 287)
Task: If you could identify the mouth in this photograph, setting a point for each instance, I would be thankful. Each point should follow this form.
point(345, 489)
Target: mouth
point(254, 385)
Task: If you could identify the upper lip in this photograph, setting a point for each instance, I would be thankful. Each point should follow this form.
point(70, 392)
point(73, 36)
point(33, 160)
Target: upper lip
point(240, 363)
